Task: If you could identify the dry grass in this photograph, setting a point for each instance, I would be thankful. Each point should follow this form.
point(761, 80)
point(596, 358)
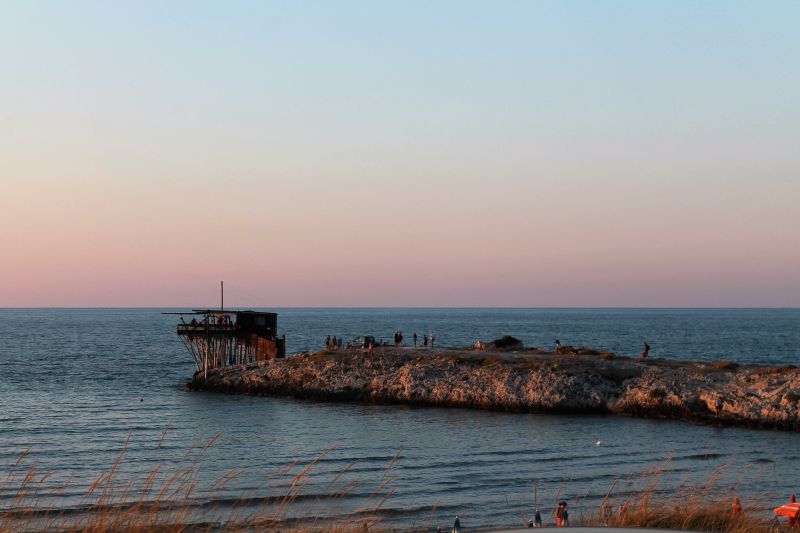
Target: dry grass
point(704, 508)
point(711, 518)
point(489, 361)
point(163, 502)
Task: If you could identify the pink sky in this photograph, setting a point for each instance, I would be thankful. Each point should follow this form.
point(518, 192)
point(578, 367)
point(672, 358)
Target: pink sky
point(531, 242)
point(339, 158)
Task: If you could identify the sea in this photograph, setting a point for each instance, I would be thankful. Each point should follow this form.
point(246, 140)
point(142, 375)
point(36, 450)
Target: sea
point(87, 392)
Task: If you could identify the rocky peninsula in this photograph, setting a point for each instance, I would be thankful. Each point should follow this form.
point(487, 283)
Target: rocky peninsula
point(529, 380)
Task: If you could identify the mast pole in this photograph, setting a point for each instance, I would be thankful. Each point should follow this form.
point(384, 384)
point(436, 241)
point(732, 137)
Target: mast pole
point(205, 350)
point(221, 296)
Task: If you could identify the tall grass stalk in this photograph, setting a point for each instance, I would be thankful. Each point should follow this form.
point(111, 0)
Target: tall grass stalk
point(167, 501)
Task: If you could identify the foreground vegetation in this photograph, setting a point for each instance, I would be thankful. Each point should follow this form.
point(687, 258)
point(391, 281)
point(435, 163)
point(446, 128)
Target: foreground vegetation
point(163, 502)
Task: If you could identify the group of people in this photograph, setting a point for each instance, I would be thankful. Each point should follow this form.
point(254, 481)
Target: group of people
point(335, 343)
point(560, 515)
point(213, 320)
point(425, 339)
point(398, 339)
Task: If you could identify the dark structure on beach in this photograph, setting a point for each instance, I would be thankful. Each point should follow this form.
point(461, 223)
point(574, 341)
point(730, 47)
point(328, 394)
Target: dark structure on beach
point(217, 338)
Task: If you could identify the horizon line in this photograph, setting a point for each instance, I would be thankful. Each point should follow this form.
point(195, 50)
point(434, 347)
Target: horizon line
point(235, 308)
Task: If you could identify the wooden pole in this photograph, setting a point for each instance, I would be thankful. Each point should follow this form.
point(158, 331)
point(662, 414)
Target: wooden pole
point(205, 361)
point(221, 296)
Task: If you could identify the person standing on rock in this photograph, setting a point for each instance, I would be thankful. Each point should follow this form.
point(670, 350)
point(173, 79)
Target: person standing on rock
point(425, 340)
point(558, 345)
point(432, 338)
point(646, 350)
point(415, 339)
point(719, 405)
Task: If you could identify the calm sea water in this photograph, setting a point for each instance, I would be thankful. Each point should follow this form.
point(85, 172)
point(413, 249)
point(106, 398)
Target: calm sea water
point(75, 384)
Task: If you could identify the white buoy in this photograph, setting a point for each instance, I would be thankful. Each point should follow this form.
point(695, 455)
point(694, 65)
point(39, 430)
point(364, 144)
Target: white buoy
point(598, 443)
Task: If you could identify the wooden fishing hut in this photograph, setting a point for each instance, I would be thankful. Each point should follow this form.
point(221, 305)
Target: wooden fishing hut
point(217, 338)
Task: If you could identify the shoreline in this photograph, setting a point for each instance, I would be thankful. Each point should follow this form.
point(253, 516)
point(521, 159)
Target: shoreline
point(574, 381)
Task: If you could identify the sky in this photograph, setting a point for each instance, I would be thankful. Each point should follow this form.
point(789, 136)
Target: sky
point(448, 153)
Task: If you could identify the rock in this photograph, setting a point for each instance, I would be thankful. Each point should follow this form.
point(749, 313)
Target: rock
point(587, 381)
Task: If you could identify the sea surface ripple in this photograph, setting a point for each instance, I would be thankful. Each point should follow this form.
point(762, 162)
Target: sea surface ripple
point(78, 383)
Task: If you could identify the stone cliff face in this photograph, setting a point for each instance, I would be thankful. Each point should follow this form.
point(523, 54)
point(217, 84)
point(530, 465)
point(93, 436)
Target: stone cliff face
point(529, 381)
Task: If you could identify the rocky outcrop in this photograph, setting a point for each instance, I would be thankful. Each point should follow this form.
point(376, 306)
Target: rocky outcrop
point(529, 381)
